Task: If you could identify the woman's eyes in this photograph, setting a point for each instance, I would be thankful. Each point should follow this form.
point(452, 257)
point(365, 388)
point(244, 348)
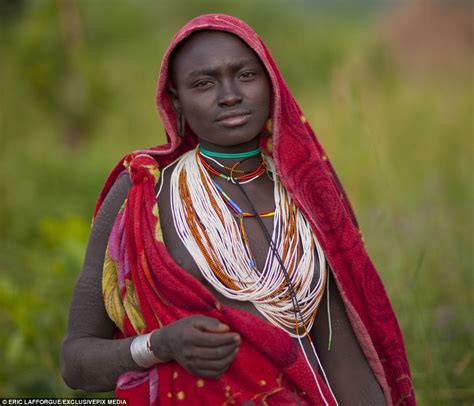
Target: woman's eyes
point(203, 84)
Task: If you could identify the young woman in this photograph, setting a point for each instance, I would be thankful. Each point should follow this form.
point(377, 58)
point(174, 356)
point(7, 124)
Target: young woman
point(226, 267)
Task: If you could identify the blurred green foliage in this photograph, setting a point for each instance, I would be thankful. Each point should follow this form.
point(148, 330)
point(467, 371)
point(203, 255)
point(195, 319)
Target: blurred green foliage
point(402, 147)
point(58, 70)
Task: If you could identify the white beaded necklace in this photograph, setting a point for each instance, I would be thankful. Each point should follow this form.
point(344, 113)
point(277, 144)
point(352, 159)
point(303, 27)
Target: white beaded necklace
point(267, 290)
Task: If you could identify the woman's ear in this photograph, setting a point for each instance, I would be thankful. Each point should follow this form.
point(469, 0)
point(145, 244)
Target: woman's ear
point(176, 106)
point(174, 100)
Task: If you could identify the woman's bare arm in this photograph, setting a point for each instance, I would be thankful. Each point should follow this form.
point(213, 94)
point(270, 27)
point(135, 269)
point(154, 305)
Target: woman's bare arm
point(346, 366)
point(90, 359)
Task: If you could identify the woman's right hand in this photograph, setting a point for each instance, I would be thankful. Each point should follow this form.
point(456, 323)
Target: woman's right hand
point(202, 345)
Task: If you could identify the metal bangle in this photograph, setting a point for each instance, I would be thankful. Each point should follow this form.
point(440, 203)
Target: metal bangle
point(141, 351)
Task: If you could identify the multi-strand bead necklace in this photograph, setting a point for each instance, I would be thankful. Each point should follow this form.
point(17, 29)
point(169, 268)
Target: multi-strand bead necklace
point(205, 219)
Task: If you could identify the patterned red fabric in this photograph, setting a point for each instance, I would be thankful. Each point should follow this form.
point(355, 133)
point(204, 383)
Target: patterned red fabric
point(166, 292)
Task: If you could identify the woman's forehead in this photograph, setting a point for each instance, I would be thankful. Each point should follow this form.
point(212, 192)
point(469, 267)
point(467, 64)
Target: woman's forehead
point(208, 48)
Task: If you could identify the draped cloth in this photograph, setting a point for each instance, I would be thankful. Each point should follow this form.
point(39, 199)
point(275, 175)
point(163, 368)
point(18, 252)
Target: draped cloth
point(145, 289)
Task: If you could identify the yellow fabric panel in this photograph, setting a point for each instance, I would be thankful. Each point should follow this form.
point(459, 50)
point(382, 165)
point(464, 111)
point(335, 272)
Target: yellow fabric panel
point(132, 308)
point(111, 292)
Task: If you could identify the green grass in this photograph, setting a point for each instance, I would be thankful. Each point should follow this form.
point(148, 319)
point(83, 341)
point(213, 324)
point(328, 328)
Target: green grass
point(402, 147)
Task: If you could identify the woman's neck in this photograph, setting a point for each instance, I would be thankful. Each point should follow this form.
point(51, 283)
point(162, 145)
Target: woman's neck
point(248, 164)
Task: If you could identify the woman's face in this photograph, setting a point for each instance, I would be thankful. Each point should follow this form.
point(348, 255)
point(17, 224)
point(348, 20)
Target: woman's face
point(221, 87)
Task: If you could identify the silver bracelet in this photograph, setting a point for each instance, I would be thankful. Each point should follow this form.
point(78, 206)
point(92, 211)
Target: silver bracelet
point(141, 351)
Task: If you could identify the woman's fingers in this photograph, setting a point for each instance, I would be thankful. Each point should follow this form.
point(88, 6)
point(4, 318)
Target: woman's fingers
point(220, 328)
point(202, 345)
point(213, 368)
point(215, 353)
point(204, 323)
point(204, 339)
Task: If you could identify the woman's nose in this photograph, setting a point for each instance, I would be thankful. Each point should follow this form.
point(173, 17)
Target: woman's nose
point(229, 94)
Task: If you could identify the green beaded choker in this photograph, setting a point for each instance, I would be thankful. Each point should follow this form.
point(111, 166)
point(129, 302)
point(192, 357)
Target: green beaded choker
point(236, 155)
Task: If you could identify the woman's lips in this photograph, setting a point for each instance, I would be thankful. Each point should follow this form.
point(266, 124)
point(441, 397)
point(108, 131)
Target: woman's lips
point(235, 120)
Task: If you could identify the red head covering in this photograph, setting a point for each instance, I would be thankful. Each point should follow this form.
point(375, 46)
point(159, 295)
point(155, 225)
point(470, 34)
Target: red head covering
point(307, 174)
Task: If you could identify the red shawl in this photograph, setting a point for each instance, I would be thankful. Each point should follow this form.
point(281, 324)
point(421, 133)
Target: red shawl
point(145, 289)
